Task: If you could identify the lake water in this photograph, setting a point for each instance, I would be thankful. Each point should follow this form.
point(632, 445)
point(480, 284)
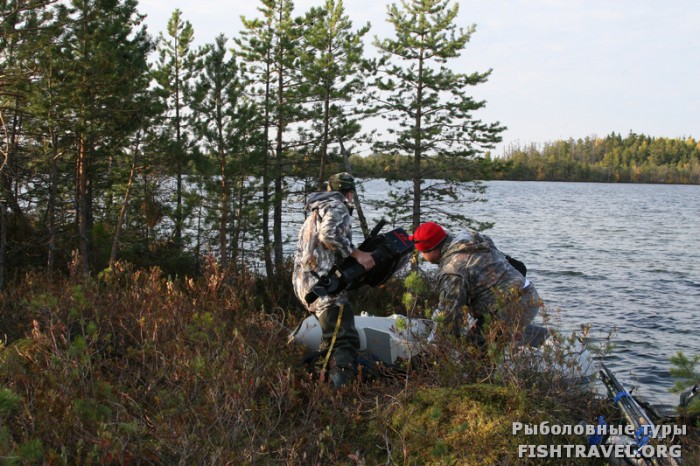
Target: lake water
point(624, 258)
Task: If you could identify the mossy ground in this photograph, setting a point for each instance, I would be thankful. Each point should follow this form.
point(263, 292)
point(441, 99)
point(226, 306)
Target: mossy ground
point(469, 424)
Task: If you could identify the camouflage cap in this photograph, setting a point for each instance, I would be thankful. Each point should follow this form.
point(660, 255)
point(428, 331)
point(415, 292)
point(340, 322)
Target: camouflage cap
point(341, 182)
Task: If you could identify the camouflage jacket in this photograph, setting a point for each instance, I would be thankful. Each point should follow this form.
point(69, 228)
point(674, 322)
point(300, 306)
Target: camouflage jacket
point(474, 276)
point(324, 240)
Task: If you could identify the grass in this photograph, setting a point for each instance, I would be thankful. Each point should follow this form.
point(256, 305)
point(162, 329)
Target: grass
point(133, 367)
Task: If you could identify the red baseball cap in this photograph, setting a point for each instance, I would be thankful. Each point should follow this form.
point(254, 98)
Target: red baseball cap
point(428, 236)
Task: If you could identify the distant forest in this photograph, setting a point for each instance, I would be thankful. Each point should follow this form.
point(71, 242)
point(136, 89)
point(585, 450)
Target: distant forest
point(635, 158)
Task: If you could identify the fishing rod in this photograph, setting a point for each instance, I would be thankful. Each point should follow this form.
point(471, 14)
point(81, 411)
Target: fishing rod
point(356, 199)
point(635, 416)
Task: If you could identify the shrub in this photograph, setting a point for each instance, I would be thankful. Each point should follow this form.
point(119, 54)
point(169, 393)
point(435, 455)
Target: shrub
point(136, 367)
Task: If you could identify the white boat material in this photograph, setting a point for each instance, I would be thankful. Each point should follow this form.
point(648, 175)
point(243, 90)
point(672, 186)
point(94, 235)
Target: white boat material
point(398, 337)
point(389, 338)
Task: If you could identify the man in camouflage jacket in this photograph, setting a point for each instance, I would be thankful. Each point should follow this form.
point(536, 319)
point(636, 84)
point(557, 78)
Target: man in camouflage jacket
point(325, 240)
point(477, 284)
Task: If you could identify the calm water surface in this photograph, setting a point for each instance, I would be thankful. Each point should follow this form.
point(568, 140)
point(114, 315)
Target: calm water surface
point(624, 258)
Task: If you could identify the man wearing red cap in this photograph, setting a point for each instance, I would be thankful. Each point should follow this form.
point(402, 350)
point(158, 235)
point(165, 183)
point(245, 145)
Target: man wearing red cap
point(475, 276)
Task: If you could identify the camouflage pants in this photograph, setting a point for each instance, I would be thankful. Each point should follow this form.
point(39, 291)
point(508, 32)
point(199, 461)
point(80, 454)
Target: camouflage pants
point(347, 341)
point(518, 310)
point(531, 303)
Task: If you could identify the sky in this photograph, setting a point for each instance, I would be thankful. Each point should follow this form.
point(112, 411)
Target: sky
point(560, 68)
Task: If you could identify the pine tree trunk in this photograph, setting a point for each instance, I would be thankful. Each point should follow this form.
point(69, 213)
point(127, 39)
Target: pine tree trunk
point(122, 212)
point(3, 243)
point(83, 205)
point(324, 142)
point(417, 154)
point(225, 199)
point(278, 195)
point(7, 163)
point(51, 208)
point(267, 247)
point(277, 204)
point(238, 225)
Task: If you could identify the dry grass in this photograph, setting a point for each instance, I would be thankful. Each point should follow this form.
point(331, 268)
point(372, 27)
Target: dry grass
point(135, 368)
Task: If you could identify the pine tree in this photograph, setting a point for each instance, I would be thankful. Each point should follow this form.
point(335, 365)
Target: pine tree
point(25, 30)
point(332, 64)
point(15, 42)
point(101, 63)
point(41, 126)
point(226, 125)
point(270, 48)
point(176, 67)
point(428, 101)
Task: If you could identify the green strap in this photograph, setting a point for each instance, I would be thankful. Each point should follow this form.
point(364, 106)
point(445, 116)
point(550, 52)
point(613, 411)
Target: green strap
point(335, 334)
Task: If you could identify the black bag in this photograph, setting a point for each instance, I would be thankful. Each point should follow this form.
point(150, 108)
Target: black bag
point(391, 251)
point(517, 265)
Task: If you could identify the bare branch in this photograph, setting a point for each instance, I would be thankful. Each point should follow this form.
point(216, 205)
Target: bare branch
point(4, 150)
